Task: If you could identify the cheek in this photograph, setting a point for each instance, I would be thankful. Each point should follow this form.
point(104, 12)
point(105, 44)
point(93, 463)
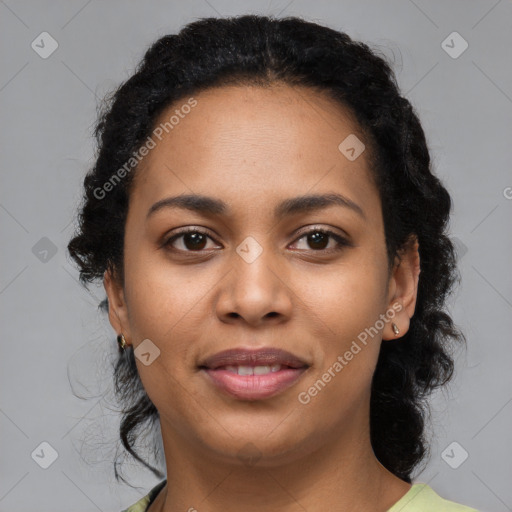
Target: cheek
point(347, 298)
point(161, 297)
point(167, 305)
point(344, 306)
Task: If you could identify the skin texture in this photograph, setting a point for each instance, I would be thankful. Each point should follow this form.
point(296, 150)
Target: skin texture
point(254, 147)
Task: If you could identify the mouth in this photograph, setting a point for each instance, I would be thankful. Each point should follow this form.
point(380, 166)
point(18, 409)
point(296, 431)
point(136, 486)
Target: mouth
point(253, 374)
point(253, 370)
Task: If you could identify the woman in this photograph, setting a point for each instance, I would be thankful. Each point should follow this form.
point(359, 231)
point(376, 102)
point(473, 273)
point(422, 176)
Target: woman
point(272, 244)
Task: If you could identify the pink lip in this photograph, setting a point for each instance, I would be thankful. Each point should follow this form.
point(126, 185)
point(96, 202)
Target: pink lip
point(252, 357)
point(254, 387)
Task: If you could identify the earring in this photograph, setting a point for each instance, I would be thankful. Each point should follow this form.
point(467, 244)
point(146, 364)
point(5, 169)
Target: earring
point(121, 341)
point(396, 330)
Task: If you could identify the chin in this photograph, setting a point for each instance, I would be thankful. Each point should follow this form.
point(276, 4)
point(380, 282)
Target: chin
point(257, 445)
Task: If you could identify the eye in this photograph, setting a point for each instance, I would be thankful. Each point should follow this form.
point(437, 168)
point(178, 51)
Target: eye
point(318, 239)
point(193, 240)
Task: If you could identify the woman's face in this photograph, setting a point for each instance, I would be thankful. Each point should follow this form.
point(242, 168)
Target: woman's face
point(257, 280)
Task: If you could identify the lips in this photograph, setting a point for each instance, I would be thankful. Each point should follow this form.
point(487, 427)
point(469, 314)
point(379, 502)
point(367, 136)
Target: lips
point(253, 374)
point(256, 357)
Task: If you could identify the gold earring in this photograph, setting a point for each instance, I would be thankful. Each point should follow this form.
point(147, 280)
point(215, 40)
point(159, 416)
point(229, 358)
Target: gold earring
point(121, 341)
point(396, 330)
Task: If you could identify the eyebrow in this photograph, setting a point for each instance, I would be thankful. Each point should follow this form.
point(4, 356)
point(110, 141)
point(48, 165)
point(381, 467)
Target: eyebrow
point(301, 204)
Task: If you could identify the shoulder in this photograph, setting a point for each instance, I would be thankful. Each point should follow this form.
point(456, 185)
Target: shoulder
point(422, 498)
point(143, 504)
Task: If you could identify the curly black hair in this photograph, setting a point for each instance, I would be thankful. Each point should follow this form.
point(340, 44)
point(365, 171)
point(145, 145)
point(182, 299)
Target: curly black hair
point(263, 50)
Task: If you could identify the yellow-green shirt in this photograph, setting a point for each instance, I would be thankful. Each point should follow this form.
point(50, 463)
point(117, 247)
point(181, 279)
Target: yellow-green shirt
point(420, 498)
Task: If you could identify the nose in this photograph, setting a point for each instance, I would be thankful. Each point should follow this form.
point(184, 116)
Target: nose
point(256, 292)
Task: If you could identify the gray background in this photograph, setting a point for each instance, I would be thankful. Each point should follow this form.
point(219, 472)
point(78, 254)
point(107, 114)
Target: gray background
point(50, 325)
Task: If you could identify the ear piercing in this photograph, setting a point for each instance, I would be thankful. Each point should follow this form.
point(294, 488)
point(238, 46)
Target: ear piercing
point(121, 341)
point(396, 330)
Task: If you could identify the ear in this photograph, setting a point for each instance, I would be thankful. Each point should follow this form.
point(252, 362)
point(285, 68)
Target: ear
point(403, 289)
point(117, 309)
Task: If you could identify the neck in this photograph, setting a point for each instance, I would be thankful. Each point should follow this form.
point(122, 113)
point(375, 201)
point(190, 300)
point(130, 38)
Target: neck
point(342, 474)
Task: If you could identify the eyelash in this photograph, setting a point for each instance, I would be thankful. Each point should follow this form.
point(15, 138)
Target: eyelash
point(342, 242)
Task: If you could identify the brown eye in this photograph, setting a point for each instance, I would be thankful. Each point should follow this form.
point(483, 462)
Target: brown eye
point(195, 240)
point(318, 240)
point(192, 240)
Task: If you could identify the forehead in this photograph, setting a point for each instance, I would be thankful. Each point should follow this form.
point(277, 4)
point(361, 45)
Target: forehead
point(252, 144)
